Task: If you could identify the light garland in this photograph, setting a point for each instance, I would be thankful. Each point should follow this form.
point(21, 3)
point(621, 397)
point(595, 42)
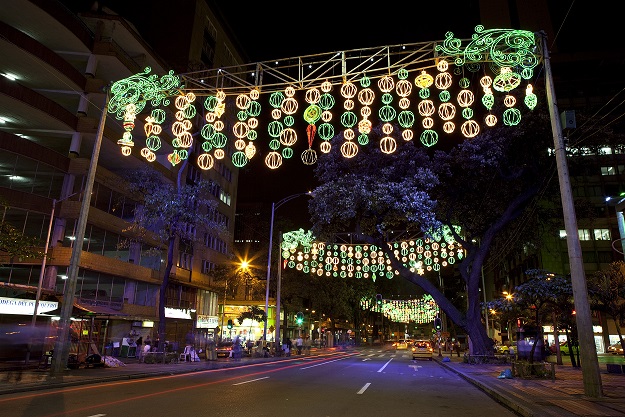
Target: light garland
point(368, 261)
point(508, 54)
point(423, 310)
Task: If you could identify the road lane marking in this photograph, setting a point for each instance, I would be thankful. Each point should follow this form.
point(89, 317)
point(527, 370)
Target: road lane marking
point(324, 363)
point(385, 365)
point(97, 415)
point(251, 380)
point(415, 367)
point(364, 388)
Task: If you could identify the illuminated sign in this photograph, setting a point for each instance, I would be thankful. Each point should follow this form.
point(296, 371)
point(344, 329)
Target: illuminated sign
point(177, 313)
point(206, 322)
point(25, 306)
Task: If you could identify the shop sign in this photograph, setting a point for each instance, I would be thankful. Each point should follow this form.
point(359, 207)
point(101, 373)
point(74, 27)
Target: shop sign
point(177, 313)
point(206, 322)
point(25, 306)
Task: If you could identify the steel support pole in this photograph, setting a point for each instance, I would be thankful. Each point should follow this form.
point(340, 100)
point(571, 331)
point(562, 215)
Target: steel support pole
point(590, 366)
point(62, 345)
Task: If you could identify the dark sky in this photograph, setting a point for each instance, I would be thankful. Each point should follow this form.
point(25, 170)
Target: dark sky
point(279, 31)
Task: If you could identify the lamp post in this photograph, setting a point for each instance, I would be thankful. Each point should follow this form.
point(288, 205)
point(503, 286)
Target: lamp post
point(274, 207)
point(33, 324)
point(61, 347)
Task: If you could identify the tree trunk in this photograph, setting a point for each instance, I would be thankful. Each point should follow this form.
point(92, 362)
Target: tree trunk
point(162, 293)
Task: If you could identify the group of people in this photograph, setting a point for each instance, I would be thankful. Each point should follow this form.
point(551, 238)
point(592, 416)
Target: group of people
point(302, 345)
point(143, 347)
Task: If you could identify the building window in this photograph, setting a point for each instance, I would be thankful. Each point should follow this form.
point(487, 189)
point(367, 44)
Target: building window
point(207, 266)
point(224, 197)
point(608, 171)
point(584, 234)
point(602, 234)
point(562, 234)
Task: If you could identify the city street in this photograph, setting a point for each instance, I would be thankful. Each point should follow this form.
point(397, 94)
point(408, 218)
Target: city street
point(367, 382)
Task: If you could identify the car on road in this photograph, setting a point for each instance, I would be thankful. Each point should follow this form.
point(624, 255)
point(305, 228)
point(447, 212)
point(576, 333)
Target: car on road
point(505, 348)
point(403, 344)
point(615, 349)
point(223, 349)
point(422, 349)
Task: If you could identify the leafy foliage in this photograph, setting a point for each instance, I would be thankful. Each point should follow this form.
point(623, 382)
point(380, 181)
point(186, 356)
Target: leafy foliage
point(483, 185)
point(607, 293)
point(14, 243)
point(173, 213)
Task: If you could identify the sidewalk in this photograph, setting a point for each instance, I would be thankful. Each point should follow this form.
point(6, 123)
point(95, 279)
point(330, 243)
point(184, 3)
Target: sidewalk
point(527, 397)
point(544, 397)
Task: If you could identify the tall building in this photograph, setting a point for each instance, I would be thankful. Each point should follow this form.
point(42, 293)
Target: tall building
point(58, 60)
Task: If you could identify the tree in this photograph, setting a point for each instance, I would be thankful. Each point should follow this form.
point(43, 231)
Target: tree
point(172, 213)
point(255, 314)
point(14, 243)
point(482, 185)
point(607, 293)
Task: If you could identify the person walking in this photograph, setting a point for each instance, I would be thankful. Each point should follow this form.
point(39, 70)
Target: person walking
point(139, 348)
point(299, 344)
point(307, 344)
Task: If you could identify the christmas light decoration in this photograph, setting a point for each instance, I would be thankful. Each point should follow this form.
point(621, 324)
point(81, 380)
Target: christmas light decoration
point(506, 57)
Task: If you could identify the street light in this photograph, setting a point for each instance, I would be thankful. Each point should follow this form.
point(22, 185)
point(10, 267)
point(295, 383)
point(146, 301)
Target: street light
point(61, 347)
point(33, 324)
point(274, 207)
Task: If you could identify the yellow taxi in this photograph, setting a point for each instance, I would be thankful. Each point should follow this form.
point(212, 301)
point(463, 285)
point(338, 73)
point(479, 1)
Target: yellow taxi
point(422, 349)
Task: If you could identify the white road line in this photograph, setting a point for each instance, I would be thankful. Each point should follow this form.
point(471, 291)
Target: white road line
point(251, 380)
point(97, 415)
point(385, 365)
point(364, 388)
point(324, 363)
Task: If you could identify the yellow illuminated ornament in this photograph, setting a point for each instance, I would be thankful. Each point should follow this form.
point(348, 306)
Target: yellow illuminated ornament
point(424, 80)
point(273, 160)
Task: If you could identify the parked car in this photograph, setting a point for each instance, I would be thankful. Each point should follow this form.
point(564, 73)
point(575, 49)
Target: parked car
point(223, 349)
point(615, 349)
point(422, 349)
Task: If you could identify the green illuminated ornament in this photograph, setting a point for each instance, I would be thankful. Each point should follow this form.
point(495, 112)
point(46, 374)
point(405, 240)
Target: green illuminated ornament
point(289, 121)
point(287, 152)
point(506, 80)
point(467, 113)
point(428, 137)
point(349, 119)
point(275, 128)
point(530, 98)
point(239, 159)
point(424, 93)
point(210, 103)
point(444, 96)
point(488, 100)
point(274, 144)
point(312, 113)
point(365, 82)
point(511, 117)
point(326, 131)
point(406, 119)
point(387, 113)
point(363, 139)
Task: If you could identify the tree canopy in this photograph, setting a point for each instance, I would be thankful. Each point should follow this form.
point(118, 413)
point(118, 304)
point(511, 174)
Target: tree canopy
point(481, 185)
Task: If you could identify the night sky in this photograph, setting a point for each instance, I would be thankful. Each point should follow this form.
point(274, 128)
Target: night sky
point(279, 31)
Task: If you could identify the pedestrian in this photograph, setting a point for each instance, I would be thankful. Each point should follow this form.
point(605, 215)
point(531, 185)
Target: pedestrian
point(289, 346)
point(148, 341)
point(307, 343)
point(236, 349)
point(139, 348)
point(457, 347)
point(299, 343)
point(146, 349)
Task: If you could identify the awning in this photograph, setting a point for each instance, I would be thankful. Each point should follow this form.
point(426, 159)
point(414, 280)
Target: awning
point(82, 310)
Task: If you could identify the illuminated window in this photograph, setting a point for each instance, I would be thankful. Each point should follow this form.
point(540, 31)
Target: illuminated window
point(608, 171)
point(562, 234)
point(584, 234)
point(602, 234)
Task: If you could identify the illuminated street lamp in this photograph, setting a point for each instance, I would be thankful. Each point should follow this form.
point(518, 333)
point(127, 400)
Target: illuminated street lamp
point(274, 207)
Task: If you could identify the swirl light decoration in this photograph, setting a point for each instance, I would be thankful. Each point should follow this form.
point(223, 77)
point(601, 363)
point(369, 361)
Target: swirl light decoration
point(420, 310)
point(506, 58)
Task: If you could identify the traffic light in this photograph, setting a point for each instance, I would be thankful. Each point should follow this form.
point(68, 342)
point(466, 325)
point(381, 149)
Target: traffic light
point(299, 319)
point(378, 299)
point(230, 324)
point(438, 324)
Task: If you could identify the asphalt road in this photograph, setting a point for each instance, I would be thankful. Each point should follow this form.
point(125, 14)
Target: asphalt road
point(363, 383)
